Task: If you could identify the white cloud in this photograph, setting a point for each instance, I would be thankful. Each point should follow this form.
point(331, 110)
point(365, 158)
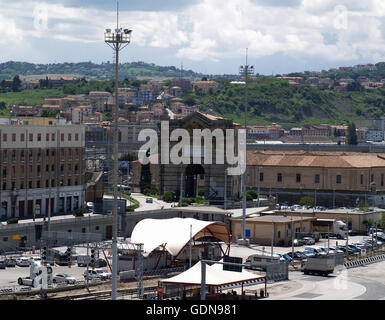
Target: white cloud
point(216, 30)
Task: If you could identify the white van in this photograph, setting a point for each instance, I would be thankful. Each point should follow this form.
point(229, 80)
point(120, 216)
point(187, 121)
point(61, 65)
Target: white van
point(260, 261)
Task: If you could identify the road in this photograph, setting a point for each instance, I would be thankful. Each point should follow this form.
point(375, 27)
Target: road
point(155, 205)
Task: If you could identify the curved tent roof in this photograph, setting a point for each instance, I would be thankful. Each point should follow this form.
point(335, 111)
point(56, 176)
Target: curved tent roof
point(174, 233)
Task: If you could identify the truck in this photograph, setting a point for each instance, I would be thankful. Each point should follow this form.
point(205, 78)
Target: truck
point(321, 265)
point(36, 268)
point(333, 227)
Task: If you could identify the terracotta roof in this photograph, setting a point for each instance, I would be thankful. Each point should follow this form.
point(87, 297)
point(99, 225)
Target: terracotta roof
point(331, 160)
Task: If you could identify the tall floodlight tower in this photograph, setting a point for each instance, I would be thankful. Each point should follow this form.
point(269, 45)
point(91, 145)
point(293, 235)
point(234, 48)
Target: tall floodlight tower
point(245, 71)
point(117, 40)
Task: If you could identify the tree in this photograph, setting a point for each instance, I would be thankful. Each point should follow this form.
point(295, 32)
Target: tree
point(351, 136)
point(306, 201)
point(16, 84)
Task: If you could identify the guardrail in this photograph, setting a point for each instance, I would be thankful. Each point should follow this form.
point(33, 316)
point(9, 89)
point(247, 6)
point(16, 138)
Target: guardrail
point(365, 261)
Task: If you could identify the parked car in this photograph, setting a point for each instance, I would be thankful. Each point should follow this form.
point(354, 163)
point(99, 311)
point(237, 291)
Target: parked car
point(3, 263)
point(63, 278)
point(354, 248)
point(286, 257)
point(10, 262)
point(374, 230)
point(97, 274)
point(22, 262)
point(308, 240)
point(343, 248)
point(298, 255)
point(314, 251)
point(148, 200)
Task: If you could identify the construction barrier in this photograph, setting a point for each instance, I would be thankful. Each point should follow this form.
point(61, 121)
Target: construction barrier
point(358, 263)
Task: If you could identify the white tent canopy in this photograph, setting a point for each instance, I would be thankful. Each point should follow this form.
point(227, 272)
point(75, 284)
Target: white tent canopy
point(215, 276)
point(174, 233)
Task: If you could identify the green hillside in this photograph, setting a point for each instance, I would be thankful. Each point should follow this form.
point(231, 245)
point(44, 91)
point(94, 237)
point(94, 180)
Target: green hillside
point(96, 71)
point(273, 100)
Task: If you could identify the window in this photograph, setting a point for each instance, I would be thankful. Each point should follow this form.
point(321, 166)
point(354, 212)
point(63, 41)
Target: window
point(317, 178)
point(22, 171)
point(62, 137)
point(4, 137)
point(97, 228)
point(68, 182)
point(362, 179)
point(46, 168)
point(371, 177)
point(76, 136)
point(38, 170)
point(22, 155)
point(279, 234)
point(53, 168)
point(30, 184)
point(338, 179)
point(4, 173)
point(279, 177)
point(53, 153)
point(53, 137)
point(52, 183)
point(39, 137)
point(261, 176)
point(47, 137)
point(298, 177)
point(69, 137)
point(5, 153)
point(21, 185)
point(4, 186)
point(38, 184)
point(31, 137)
point(13, 155)
point(47, 183)
point(13, 137)
point(22, 137)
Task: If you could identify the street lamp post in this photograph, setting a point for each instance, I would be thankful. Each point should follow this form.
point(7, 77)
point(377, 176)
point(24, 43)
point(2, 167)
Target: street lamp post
point(245, 71)
point(117, 40)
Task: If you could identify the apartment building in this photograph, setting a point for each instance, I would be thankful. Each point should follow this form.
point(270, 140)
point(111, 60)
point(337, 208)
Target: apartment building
point(42, 169)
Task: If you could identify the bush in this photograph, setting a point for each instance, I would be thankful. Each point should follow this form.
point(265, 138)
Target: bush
point(12, 220)
point(253, 194)
point(78, 212)
point(153, 191)
point(169, 196)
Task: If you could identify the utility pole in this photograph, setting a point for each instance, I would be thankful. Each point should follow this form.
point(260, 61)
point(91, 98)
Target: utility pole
point(225, 192)
point(259, 184)
point(181, 189)
point(117, 41)
point(245, 71)
point(190, 260)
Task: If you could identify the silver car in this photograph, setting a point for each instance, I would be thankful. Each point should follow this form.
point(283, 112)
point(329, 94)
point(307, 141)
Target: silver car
point(63, 278)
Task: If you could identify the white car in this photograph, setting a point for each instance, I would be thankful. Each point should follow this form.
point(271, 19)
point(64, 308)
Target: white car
point(97, 274)
point(63, 278)
point(23, 262)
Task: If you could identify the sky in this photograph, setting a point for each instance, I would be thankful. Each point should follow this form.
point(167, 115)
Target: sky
point(207, 36)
